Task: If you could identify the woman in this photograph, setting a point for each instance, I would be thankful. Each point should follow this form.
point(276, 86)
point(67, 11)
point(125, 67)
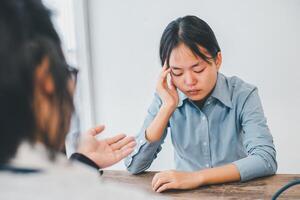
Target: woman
point(36, 89)
point(217, 125)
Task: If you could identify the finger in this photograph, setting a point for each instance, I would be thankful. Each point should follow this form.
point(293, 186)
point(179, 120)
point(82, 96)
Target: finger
point(172, 85)
point(165, 187)
point(121, 154)
point(115, 139)
point(165, 66)
point(129, 145)
point(96, 130)
point(163, 77)
point(164, 74)
point(156, 177)
point(161, 181)
point(121, 143)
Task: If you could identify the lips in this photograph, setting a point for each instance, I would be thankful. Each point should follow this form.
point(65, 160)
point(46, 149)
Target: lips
point(193, 92)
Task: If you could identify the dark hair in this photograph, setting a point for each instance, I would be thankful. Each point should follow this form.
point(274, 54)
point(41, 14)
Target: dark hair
point(191, 31)
point(27, 36)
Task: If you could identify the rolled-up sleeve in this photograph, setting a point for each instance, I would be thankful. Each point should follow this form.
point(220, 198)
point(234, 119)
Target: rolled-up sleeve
point(257, 140)
point(145, 152)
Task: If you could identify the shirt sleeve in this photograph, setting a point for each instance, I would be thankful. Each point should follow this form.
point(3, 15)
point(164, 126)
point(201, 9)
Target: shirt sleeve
point(83, 159)
point(257, 140)
point(145, 152)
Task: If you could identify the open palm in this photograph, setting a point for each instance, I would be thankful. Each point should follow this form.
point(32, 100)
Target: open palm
point(105, 152)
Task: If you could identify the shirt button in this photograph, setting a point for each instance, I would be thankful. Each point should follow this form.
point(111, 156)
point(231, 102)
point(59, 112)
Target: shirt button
point(203, 118)
point(208, 102)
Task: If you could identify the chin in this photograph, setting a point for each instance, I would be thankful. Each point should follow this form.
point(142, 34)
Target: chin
point(193, 98)
point(196, 97)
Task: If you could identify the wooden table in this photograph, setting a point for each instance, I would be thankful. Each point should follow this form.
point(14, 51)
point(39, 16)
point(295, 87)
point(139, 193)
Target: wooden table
point(262, 188)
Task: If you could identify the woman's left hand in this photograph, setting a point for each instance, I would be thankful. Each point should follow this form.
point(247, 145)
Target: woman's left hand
point(175, 180)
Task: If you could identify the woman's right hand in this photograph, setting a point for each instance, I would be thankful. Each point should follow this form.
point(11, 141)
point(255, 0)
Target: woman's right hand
point(105, 152)
point(167, 91)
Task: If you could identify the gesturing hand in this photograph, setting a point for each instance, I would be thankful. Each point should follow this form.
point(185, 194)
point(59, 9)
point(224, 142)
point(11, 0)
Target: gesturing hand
point(167, 91)
point(105, 152)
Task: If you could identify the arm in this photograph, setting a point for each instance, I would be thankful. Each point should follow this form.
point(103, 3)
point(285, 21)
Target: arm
point(258, 142)
point(216, 175)
point(154, 130)
point(188, 180)
point(169, 97)
point(145, 151)
point(157, 127)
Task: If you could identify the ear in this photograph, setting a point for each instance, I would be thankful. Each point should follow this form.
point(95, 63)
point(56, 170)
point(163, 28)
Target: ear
point(218, 60)
point(44, 80)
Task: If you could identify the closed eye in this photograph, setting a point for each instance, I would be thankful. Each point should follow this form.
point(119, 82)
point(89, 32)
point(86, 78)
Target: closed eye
point(199, 70)
point(176, 73)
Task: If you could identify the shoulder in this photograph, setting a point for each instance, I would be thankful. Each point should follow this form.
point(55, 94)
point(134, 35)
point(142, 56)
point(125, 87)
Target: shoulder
point(239, 89)
point(62, 176)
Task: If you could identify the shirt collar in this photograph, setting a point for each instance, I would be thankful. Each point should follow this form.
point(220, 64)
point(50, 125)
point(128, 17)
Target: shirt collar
point(35, 156)
point(220, 92)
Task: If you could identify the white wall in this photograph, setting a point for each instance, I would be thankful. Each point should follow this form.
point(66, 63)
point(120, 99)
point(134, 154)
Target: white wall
point(259, 40)
point(69, 18)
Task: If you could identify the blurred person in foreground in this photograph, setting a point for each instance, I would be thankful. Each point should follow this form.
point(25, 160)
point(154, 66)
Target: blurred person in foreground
point(36, 104)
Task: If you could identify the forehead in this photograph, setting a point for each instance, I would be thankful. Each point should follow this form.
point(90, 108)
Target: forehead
point(183, 57)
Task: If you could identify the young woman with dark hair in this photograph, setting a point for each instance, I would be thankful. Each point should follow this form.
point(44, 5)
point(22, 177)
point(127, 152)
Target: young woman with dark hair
point(217, 125)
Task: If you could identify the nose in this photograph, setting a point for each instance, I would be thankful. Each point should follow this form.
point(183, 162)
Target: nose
point(190, 79)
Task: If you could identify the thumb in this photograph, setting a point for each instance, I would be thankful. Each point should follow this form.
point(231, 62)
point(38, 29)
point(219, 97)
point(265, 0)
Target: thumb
point(96, 130)
point(172, 86)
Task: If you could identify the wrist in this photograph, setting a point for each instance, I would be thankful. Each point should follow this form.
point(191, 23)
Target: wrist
point(200, 177)
point(168, 107)
point(85, 159)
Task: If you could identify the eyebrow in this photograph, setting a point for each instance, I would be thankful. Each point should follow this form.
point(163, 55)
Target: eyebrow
point(178, 68)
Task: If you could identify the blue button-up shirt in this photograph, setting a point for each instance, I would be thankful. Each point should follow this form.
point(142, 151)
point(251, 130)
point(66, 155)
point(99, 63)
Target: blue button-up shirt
point(229, 128)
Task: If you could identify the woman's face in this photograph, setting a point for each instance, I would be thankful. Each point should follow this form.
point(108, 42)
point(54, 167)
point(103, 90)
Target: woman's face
point(191, 74)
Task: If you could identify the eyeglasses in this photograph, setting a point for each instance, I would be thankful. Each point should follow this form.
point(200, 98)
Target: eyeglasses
point(73, 72)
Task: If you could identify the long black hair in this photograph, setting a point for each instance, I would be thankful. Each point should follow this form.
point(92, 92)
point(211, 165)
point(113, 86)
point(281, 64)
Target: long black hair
point(191, 31)
point(27, 36)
